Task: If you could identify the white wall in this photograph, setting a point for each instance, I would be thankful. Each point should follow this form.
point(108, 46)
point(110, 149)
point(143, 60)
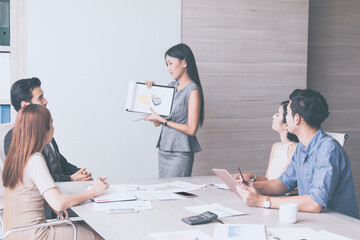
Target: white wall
point(85, 52)
point(4, 76)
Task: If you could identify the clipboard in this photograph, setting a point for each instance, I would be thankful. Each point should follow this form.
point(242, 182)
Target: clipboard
point(159, 97)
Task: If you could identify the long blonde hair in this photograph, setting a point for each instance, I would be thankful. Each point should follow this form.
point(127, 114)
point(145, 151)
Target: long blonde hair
point(31, 126)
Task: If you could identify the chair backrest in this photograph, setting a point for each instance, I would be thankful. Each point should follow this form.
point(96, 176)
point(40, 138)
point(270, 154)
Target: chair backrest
point(340, 137)
point(1, 191)
point(4, 129)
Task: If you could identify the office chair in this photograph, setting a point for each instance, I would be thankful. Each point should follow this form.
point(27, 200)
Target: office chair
point(46, 224)
point(340, 137)
point(4, 129)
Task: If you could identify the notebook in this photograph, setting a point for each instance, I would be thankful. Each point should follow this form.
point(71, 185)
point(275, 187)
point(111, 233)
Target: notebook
point(114, 194)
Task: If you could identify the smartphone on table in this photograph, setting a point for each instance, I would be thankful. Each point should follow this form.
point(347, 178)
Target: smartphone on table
point(187, 194)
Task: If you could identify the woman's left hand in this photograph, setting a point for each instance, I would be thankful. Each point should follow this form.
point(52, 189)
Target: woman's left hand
point(60, 214)
point(154, 117)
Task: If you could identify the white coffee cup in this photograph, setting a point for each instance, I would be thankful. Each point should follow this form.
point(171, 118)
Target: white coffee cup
point(288, 212)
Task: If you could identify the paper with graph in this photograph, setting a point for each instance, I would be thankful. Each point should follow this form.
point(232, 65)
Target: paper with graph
point(158, 97)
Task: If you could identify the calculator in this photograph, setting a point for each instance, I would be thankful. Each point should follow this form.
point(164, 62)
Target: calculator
point(205, 217)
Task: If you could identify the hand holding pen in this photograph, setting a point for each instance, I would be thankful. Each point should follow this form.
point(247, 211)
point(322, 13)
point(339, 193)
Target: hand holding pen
point(136, 120)
point(99, 186)
point(242, 177)
point(248, 192)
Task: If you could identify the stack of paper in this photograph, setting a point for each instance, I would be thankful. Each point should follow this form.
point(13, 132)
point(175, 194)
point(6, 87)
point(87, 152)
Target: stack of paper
point(216, 208)
point(156, 195)
point(177, 186)
point(137, 205)
point(220, 186)
point(113, 194)
point(119, 187)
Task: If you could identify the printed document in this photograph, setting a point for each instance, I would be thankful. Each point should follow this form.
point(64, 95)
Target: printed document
point(216, 208)
point(177, 186)
point(239, 232)
point(156, 195)
point(113, 194)
point(195, 234)
point(302, 233)
point(137, 205)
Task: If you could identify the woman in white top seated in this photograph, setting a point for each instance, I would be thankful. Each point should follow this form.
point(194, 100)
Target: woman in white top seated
point(28, 183)
point(281, 152)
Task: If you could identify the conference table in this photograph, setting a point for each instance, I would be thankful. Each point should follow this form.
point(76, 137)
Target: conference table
point(166, 215)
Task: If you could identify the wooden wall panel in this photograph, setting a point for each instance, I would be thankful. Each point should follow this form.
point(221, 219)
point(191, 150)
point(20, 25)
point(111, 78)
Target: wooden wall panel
point(251, 55)
point(334, 69)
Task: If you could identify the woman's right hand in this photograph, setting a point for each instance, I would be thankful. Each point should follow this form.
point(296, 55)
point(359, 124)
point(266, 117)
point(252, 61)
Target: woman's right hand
point(60, 215)
point(246, 175)
point(249, 175)
point(99, 186)
point(149, 83)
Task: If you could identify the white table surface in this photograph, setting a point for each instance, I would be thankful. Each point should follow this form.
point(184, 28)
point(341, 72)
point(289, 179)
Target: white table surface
point(166, 215)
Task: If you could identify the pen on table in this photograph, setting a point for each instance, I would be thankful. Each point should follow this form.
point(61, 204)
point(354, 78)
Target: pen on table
point(218, 220)
point(242, 177)
point(138, 119)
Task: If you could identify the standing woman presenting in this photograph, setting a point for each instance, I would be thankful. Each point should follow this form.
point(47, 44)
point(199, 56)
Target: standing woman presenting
point(178, 143)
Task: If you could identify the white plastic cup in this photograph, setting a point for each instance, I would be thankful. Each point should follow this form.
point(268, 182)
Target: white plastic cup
point(288, 212)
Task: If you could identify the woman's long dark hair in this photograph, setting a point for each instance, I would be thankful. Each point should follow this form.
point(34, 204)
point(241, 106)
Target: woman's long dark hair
point(182, 51)
point(292, 137)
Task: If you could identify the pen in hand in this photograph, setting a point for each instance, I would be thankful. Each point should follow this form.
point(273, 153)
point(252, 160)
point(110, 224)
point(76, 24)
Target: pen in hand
point(242, 177)
point(138, 119)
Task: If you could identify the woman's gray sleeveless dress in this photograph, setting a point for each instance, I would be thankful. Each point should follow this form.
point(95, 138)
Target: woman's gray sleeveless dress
point(176, 149)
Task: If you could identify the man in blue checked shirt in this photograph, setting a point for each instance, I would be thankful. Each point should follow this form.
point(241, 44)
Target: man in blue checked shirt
point(320, 167)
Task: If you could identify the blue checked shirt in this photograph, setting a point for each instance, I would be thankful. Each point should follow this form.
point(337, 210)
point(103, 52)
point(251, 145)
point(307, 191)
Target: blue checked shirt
point(322, 171)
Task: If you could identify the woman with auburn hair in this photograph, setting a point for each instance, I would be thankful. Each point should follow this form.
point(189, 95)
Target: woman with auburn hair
point(28, 183)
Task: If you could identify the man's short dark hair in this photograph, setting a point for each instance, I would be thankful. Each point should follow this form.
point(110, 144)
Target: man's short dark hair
point(22, 89)
point(310, 105)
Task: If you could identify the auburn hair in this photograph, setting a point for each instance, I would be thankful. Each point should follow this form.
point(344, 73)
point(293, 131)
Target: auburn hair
point(31, 126)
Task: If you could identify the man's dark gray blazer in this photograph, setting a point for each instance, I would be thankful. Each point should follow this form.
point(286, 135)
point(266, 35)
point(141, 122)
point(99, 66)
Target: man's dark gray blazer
point(60, 169)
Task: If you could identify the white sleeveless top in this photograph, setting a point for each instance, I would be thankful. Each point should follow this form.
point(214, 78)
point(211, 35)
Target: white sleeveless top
point(279, 161)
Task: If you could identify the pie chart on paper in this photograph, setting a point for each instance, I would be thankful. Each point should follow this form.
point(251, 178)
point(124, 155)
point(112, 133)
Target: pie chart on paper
point(144, 99)
point(156, 100)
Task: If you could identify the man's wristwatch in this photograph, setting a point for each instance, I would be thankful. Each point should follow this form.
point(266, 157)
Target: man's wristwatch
point(253, 179)
point(165, 123)
point(266, 202)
